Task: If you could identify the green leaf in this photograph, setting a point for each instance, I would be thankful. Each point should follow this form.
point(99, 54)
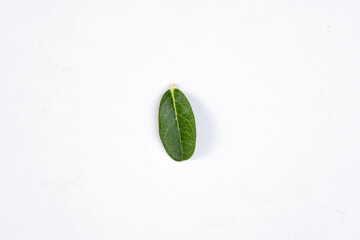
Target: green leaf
point(177, 125)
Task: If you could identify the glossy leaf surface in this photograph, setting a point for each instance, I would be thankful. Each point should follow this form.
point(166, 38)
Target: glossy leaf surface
point(177, 125)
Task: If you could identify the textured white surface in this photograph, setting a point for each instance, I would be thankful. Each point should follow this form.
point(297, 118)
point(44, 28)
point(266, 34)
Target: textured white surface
point(275, 87)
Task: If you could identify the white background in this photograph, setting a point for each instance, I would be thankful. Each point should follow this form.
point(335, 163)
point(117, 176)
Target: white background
point(275, 88)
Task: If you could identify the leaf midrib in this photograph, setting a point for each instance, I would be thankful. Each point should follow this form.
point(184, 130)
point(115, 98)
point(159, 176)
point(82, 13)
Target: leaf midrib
point(176, 118)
